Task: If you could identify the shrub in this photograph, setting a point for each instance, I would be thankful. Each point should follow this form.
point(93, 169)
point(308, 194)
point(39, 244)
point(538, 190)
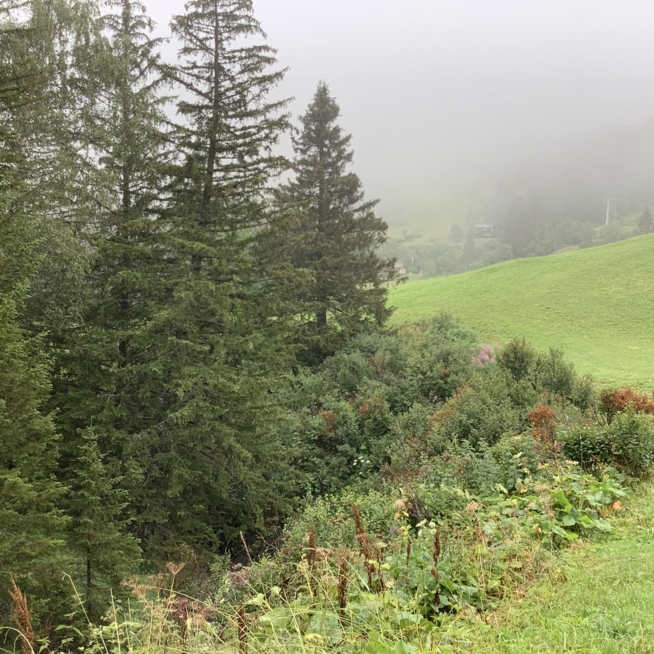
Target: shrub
point(555, 374)
point(518, 357)
point(616, 401)
point(331, 519)
point(631, 437)
point(480, 412)
point(542, 419)
point(627, 443)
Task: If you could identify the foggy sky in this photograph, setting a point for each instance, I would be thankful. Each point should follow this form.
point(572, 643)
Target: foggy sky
point(455, 92)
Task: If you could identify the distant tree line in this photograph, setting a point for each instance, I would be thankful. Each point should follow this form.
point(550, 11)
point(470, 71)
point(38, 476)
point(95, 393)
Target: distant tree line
point(158, 285)
point(521, 229)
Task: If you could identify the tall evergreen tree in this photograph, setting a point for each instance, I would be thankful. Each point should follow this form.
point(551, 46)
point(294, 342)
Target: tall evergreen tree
point(99, 532)
point(336, 234)
point(107, 361)
point(31, 526)
point(112, 365)
point(211, 458)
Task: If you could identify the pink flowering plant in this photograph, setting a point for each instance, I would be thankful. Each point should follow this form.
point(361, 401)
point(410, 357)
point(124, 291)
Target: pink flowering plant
point(485, 355)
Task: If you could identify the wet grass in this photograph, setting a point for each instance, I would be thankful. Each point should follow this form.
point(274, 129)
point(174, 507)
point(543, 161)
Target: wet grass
point(600, 600)
point(597, 304)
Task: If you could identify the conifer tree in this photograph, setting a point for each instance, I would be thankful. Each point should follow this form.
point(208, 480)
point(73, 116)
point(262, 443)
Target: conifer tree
point(113, 372)
point(99, 532)
point(31, 526)
point(211, 458)
point(336, 234)
point(110, 377)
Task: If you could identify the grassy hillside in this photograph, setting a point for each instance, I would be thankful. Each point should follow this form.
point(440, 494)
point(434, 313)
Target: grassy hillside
point(600, 600)
point(598, 304)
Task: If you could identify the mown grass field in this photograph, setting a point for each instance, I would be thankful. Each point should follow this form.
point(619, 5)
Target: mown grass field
point(596, 304)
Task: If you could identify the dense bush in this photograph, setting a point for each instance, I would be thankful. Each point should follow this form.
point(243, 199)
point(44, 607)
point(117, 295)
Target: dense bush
point(549, 372)
point(618, 400)
point(627, 442)
point(347, 416)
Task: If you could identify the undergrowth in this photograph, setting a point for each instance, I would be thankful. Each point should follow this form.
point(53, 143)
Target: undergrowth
point(398, 594)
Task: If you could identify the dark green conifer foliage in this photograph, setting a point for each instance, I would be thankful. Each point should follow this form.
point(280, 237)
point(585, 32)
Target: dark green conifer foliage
point(336, 234)
point(31, 526)
point(110, 361)
point(99, 533)
point(211, 459)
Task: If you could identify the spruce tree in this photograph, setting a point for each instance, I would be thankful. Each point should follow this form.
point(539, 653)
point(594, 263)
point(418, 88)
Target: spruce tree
point(336, 234)
point(108, 362)
point(99, 532)
point(31, 526)
point(211, 459)
point(112, 371)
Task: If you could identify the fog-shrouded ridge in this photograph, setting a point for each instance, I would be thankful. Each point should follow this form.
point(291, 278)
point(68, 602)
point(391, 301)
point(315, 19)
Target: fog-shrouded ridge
point(447, 100)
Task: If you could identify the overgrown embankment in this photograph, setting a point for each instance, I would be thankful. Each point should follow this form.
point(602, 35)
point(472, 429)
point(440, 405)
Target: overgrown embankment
point(443, 481)
point(599, 598)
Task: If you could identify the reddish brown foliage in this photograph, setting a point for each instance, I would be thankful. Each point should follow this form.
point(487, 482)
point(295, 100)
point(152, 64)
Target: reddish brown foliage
point(22, 617)
point(618, 400)
point(330, 419)
point(371, 406)
point(450, 409)
point(543, 422)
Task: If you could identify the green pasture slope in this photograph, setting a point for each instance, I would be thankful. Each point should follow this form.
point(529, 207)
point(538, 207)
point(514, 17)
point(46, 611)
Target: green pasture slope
point(597, 304)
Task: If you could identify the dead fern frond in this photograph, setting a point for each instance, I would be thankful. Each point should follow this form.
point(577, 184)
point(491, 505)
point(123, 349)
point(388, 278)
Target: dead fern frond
point(22, 617)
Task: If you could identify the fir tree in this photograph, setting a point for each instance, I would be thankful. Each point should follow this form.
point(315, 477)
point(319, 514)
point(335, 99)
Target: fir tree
point(30, 523)
point(336, 234)
point(109, 362)
point(99, 533)
point(210, 460)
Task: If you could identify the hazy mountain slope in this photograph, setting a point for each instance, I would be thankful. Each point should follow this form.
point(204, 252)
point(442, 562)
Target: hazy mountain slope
point(598, 304)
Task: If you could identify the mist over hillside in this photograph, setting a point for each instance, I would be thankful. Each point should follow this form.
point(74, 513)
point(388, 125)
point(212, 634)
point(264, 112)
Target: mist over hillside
point(452, 104)
point(577, 180)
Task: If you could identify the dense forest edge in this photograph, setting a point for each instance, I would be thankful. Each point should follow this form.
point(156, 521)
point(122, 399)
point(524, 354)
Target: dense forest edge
point(213, 436)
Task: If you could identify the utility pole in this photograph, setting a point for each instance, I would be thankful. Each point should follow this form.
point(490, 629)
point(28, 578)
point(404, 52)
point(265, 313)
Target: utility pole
point(608, 211)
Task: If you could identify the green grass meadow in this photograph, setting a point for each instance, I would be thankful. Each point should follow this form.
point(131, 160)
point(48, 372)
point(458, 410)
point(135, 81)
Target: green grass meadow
point(599, 601)
point(597, 304)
